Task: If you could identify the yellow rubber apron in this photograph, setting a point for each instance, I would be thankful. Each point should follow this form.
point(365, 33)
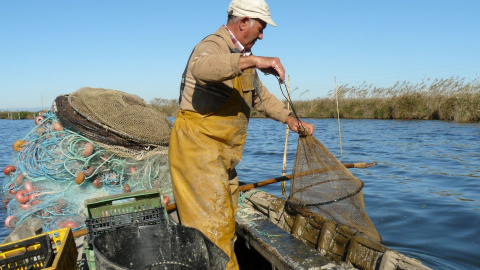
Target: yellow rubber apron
point(203, 153)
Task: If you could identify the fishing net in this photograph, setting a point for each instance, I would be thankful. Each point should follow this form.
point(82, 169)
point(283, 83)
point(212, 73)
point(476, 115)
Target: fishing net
point(69, 157)
point(322, 186)
point(120, 112)
point(81, 125)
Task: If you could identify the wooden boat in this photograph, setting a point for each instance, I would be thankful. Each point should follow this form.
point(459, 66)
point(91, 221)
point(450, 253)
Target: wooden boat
point(270, 237)
point(295, 242)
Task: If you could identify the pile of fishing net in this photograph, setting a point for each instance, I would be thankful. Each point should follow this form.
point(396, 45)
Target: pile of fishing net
point(93, 142)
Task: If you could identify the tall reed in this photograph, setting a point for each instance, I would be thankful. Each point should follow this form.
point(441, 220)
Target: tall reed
point(15, 115)
point(168, 106)
point(451, 99)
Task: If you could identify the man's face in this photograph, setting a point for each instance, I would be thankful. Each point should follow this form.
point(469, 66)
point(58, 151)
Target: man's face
point(253, 33)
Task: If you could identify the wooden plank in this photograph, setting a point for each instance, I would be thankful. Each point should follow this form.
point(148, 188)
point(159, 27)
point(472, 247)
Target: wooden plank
point(280, 248)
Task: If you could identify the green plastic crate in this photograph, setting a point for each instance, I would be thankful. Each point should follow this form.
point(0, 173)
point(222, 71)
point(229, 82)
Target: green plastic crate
point(109, 213)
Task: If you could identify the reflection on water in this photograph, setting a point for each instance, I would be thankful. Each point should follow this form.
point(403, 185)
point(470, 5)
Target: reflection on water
point(422, 196)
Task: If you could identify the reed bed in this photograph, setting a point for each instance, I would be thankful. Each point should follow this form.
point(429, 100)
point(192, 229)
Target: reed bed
point(451, 99)
point(15, 115)
point(169, 107)
point(448, 99)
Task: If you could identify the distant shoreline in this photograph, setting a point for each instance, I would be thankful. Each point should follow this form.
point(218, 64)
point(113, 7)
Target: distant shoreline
point(18, 115)
point(452, 99)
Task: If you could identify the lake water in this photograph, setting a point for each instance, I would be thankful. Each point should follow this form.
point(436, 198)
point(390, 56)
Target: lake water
point(422, 196)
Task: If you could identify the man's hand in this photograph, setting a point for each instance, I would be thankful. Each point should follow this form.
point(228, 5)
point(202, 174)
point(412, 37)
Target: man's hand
point(294, 125)
point(268, 65)
point(271, 65)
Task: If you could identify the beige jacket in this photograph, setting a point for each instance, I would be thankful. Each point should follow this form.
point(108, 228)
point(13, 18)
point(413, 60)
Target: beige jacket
point(209, 79)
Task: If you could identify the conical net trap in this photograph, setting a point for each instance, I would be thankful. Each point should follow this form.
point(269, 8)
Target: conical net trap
point(322, 185)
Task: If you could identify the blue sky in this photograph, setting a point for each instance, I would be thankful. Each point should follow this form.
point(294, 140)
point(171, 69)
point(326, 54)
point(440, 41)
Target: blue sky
point(49, 48)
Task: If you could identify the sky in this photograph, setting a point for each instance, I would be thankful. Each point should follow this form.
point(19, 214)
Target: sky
point(50, 48)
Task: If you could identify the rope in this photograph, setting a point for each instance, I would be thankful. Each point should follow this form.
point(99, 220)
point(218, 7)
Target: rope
point(301, 129)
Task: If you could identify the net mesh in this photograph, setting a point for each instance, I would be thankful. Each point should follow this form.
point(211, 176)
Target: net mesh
point(81, 125)
point(321, 185)
point(119, 112)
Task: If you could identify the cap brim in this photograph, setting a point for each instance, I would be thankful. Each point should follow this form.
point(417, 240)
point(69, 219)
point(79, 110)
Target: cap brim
point(269, 21)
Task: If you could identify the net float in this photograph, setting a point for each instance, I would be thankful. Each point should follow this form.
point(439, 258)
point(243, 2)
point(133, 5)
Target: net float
point(37, 201)
point(20, 196)
point(88, 149)
point(32, 198)
point(132, 169)
point(25, 206)
point(126, 188)
point(97, 183)
point(18, 145)
point(57, 126)
point(166, 200)
point(9, 169)
point(11, 189)
point(19, 179)
point(39, 119)
point(89, 171)
point(28, 187)
point(11, 222)
point(70, 224)
point(40, 130)
point(80, 178)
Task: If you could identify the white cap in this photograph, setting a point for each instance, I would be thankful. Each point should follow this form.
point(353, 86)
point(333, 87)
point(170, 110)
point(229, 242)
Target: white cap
point(255, 9)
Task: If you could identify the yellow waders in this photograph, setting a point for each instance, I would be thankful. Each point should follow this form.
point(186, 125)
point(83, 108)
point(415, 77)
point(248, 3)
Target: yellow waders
point(203, 153)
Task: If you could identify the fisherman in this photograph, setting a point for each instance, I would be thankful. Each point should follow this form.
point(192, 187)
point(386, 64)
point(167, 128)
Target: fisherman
point(219, 85)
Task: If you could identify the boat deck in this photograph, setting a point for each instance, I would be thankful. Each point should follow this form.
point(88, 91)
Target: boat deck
point(279, 248)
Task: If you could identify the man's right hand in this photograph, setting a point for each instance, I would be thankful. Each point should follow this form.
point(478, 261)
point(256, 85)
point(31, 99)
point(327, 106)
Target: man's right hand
point(271, 65)
point(268, 65)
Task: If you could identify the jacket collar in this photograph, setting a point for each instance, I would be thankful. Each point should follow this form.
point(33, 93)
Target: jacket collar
point(237, 43)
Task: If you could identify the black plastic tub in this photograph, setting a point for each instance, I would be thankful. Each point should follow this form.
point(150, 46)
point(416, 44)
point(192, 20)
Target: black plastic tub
point(155, 247)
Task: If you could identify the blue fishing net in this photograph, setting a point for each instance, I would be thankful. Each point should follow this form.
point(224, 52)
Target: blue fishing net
point(57, 169)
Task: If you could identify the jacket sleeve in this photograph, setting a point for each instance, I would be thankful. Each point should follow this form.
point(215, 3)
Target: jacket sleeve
point(272, 107)
point(212, 61)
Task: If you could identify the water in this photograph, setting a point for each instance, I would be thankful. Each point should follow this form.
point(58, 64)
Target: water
point(423, 196)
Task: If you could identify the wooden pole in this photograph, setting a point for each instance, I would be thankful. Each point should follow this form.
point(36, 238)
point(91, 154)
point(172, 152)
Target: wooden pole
point(284, 168)
point(338, 117)
point(246, 187)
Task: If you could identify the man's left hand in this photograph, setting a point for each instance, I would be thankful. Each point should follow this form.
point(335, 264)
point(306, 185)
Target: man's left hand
point(294, 125)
